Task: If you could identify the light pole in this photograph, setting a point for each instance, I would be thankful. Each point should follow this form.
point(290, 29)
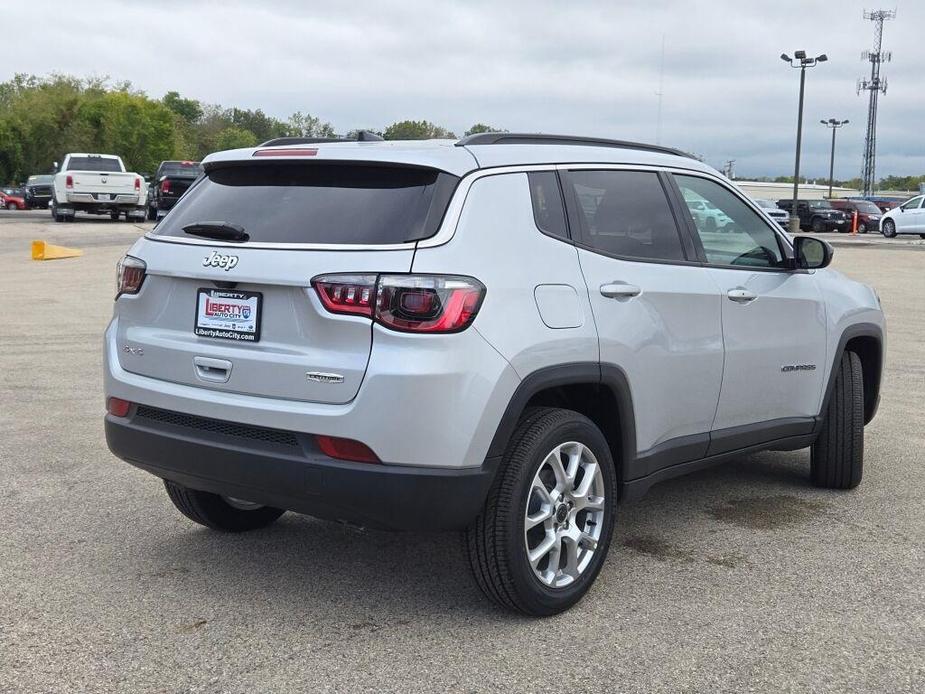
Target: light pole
point(800, 61)
point(835, 124)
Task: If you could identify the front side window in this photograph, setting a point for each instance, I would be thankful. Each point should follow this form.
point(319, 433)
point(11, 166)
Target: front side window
point(624, 213)
point(731, 232)
point(912, 204)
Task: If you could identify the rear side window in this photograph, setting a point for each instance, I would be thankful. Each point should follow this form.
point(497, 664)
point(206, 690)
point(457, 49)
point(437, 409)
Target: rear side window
point(548, 210)
point(625, 213)
point(318, 203)
point(93, 164)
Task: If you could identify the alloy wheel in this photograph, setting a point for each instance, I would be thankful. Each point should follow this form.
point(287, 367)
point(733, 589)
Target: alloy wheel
point(564, 516)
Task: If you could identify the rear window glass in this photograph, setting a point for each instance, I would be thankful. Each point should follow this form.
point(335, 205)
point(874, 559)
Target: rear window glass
point(93, 164)
point(191, 169)
point(318, 203)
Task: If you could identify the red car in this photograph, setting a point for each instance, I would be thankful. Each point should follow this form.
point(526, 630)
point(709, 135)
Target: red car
point(11, 202)
point(868, 213)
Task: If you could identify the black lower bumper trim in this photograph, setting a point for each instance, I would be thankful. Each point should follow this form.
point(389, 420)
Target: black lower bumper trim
point(300, 478)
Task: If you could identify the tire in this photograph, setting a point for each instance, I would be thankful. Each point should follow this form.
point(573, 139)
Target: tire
point(922, 236)
point(151, 214)
point(818, 226)
point(862, 228)
point(837, 456)
point(114, 216)
point(213, 511)
point(889, 229)
point(12, 206)
point(497, 544)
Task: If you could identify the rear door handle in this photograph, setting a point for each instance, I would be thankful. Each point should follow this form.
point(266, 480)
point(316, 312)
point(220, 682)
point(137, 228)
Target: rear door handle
point(620, 290)
point(741, 296)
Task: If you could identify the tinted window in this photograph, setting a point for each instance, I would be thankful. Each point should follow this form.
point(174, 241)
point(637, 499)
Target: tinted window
point(730, 231)
point(177, 168)
point(548, 210)
point(318, 203)
point(93, 164)
point(625, 213)
point(912, 204)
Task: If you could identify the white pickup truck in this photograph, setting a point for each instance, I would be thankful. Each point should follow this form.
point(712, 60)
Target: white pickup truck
point(97, 184)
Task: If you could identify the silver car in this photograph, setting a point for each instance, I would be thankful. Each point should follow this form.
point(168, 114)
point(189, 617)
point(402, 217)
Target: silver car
point(506, 335)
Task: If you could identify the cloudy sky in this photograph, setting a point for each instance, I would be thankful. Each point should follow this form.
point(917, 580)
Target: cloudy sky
point(577, 67)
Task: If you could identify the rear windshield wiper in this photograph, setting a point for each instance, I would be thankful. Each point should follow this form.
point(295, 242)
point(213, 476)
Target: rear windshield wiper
point(224, 231)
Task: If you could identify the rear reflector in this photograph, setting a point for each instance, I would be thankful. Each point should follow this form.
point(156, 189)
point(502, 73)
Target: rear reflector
point(118, 407)
point(137, 184)
point(351, 294)
point(69, 181)
point(346, 449)
point(130, 274)
point(165, 185)
point(278, 152)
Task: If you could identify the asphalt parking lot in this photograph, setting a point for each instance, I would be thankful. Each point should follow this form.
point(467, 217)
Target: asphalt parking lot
point(739, 578)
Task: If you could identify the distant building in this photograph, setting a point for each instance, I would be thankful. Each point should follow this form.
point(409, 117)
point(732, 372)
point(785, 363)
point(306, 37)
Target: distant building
point(784, 191)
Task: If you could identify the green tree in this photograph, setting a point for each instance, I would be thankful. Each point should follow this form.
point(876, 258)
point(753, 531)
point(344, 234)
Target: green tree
point(416, 130)
point(189, 110)
point(233, 137)
point(306, 125)
point(482, 128)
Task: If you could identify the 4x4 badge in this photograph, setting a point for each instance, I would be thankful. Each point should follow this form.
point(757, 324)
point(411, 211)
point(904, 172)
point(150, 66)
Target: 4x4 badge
point(220, 260)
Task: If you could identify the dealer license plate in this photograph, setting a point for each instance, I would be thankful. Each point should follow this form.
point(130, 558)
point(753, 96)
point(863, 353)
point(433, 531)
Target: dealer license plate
point(228, 315)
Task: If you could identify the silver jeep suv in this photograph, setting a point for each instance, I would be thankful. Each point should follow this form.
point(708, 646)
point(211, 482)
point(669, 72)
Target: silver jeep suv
point(507, 335)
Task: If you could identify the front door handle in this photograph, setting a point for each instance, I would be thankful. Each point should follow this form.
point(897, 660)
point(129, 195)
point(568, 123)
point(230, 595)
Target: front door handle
point(620, 290)
point(741, 296)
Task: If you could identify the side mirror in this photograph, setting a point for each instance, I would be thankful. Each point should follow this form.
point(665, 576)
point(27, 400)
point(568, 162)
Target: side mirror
point(811, 253)
point(54, 167)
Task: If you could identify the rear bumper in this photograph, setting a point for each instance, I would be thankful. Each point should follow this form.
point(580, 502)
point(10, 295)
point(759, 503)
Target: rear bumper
point(286, 470)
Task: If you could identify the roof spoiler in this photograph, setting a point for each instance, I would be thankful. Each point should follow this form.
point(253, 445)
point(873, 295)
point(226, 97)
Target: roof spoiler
point(361, 136)
point(542, 139)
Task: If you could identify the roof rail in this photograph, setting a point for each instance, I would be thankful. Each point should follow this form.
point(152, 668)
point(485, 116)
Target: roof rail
point(542, 139)
point(361, 136)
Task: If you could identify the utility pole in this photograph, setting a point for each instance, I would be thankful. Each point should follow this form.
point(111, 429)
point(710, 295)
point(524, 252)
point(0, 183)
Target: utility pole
point(875, 86)
point(801, 62)
point(834, 124)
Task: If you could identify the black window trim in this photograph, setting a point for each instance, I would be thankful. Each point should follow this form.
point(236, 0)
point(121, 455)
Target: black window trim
point(572, 205)
point(783, 244)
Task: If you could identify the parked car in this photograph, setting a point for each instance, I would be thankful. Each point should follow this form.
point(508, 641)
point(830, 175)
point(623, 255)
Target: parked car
point(344, 330)
point(885, 204)
point(770, 208)
point(97, 184)
point(172, 179)
point(38, 191)
point(817, 215)
point(908, 218)
point(710, 218)
point(12, 199)
point(868, 213)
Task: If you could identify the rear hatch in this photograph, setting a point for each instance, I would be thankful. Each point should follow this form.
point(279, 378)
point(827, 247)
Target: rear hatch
point(242, 316)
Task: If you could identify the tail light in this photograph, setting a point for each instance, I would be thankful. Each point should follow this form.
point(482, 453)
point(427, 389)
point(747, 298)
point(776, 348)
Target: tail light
point(69, 181)
point(137, 185)
point(130, 273)
point(165, 185)
point(406, 303)
point(346, 449)
point(353, 294)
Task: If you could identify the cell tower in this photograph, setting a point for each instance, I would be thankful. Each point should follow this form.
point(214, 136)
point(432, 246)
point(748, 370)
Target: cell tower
point(875, 85)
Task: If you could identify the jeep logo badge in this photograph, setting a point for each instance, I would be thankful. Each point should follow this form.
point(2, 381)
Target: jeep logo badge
point(219, 260)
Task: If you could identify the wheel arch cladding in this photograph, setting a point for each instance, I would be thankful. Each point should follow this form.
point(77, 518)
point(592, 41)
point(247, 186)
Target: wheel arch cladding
point(601, 392)
point(865, 340)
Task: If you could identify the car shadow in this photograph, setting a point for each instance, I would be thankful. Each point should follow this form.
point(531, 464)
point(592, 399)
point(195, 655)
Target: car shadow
point(304, 561)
